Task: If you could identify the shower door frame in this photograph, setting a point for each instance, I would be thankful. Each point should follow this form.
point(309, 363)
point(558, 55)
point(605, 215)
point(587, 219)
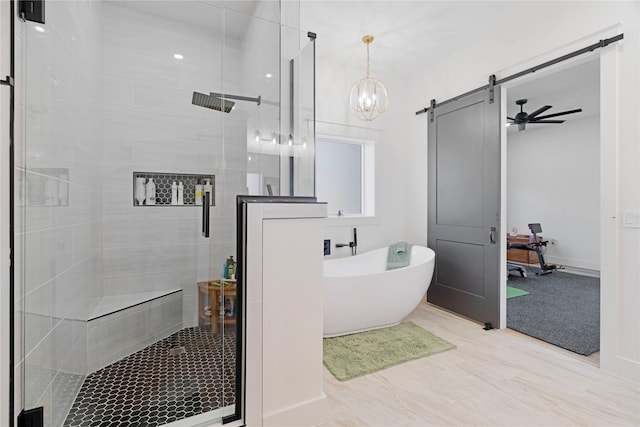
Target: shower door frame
point(7, 293)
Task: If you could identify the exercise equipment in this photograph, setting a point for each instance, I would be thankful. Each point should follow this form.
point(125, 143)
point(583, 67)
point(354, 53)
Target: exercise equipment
point(536, 245)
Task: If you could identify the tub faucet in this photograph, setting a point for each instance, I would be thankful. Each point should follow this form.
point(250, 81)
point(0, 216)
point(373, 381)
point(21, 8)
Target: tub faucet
point(353, 244)
point(354, 248)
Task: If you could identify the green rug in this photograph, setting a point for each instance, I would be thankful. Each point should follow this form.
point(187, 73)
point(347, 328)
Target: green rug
point(351, 356)
point(515, 292)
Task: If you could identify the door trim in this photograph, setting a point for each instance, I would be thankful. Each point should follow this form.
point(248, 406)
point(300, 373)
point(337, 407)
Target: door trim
point(610, 224)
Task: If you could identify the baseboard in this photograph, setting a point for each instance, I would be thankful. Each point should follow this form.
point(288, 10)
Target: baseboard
point(308, 413)
point(569, 262)
point(621, 367)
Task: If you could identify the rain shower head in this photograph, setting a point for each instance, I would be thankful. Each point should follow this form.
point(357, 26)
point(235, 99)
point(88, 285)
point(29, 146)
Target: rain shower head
point(213, 101)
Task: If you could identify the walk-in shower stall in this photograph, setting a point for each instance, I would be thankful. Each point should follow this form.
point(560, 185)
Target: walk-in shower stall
point(137, 123)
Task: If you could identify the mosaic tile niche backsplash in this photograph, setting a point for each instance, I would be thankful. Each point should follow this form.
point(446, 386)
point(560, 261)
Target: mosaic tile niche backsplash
point(164, 181)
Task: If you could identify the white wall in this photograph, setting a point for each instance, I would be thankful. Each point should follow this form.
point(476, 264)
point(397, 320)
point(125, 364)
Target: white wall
point(553, 177)
point(454, 75)
point(333, 83)
point(58, 243)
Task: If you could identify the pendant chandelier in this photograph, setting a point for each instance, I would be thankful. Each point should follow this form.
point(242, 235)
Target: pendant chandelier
point(368, 98)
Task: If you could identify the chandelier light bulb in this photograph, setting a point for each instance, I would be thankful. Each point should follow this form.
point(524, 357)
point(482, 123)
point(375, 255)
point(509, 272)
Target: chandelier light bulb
point(369, 96)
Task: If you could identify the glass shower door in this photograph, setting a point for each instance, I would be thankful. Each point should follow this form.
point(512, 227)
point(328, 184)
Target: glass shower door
point(107, 324)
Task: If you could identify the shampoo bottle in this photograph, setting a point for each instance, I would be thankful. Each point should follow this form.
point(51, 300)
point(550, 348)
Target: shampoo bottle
point(150, 193)
point(140, 190)
point(198, 194)
point(208, 188)
point(174, 193)
point(180, 193)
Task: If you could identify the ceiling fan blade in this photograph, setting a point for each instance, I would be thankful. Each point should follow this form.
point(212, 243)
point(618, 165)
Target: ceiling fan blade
point(559, 114)
point(511, 118)
point(546, 121)
point(538, 111)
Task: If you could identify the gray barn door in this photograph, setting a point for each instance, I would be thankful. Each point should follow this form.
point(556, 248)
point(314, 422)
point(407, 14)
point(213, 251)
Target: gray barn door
point(464, 206)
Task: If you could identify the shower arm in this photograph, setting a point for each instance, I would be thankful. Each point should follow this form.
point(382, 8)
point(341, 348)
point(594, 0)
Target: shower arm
point(257, 100)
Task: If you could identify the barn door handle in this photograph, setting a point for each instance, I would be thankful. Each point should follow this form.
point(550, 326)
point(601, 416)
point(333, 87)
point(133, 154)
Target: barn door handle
point(492, 236)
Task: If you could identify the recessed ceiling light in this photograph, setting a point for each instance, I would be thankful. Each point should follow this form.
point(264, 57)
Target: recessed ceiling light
point(177, 56)
point(268, 75)
point(39, 29)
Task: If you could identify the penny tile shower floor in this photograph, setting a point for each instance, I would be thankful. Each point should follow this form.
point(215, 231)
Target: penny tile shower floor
point(152, 387)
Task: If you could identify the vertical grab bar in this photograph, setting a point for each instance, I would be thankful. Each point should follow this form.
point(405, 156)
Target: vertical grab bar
point(205, 214)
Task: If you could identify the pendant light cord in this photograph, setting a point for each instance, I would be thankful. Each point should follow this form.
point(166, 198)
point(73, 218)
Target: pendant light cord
point(367, 60)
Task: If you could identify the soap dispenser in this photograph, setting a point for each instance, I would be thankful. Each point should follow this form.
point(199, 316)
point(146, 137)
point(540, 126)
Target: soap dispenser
point(151, 192)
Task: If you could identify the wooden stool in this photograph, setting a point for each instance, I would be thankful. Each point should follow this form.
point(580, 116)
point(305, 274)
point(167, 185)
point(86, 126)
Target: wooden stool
point(214, 289)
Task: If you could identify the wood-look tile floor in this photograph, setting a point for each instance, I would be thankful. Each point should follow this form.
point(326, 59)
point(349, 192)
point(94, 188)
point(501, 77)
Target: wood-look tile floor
point(493, 378)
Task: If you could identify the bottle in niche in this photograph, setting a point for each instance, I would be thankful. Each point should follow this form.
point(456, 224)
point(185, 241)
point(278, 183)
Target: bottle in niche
point(151, 193)
point(208, 188)
point(140, 191)
point(198, 194)
point(180, 193)
point(174, 193)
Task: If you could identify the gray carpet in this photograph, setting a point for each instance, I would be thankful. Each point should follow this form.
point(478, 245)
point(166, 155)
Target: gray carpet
point(562, 309)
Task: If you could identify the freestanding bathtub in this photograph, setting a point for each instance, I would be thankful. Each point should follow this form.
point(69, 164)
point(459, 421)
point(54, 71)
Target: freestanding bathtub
point(359, 294)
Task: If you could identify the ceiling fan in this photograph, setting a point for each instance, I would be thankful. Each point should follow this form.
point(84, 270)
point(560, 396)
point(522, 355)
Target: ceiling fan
point(521, 119)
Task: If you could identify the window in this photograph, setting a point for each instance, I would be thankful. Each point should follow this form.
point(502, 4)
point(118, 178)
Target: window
point(344, 175)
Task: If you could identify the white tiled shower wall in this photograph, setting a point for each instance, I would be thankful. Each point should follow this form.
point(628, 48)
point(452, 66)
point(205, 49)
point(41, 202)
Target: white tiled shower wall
point(150, 125)
point(58, 244)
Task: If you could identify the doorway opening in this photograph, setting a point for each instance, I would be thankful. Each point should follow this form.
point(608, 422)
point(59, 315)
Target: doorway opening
point(553, 179)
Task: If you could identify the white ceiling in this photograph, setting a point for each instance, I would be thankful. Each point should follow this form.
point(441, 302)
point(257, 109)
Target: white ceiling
point(414, 36)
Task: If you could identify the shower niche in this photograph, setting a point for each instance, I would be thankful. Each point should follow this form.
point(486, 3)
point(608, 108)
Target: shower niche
point(192, 185)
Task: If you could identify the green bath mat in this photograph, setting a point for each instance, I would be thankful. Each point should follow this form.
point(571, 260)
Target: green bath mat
point(351, 356)
point(515, 292)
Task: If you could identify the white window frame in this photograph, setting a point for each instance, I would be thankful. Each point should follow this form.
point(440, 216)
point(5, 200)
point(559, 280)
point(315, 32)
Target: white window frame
point(367, 170)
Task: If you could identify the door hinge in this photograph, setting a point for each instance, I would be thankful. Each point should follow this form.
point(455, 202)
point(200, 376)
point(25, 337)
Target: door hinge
point(8, 81)
point(31, 417)
point(492, 84)
point(432, 111)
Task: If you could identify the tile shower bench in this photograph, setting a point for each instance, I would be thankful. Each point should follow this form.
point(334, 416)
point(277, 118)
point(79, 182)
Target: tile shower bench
point(120, 325)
